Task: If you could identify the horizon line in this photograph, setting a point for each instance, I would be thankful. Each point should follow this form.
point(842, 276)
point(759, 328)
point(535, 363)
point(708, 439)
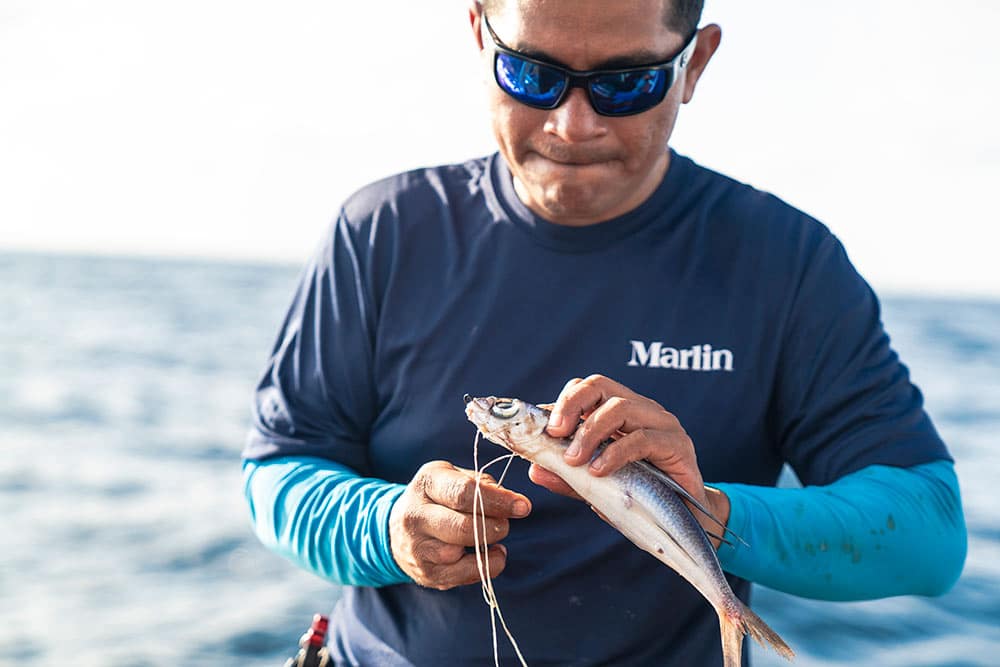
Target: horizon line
point(891, 292)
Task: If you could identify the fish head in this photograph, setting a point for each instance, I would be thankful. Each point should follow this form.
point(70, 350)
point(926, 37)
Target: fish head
point(509, 422)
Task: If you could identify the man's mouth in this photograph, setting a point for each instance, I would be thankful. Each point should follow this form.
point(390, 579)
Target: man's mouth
point(574, 162)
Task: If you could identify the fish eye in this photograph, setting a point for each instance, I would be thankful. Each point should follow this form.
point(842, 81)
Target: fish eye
point(504, 408)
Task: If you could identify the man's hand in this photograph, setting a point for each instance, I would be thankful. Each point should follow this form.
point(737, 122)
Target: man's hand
point(431, 525)
point(640, 428)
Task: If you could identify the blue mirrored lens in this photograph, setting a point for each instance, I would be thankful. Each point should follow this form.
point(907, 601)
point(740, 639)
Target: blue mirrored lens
point(629, 92)
point(528, 82)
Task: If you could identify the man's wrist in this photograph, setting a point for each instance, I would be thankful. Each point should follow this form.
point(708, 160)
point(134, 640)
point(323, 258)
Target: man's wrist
point(719, 505)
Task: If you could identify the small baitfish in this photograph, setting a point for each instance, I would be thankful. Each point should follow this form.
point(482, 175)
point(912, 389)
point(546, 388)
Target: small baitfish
point(640, 501)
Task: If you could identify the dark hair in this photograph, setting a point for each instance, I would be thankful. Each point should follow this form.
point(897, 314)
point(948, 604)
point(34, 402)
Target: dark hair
point(682, 16)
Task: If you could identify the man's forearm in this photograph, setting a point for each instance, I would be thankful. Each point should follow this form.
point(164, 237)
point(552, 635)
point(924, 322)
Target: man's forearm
point(878, 532)
point(324, 517)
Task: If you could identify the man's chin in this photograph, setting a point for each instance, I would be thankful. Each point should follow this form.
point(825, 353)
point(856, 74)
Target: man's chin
point(575, 202)
point(574, 197)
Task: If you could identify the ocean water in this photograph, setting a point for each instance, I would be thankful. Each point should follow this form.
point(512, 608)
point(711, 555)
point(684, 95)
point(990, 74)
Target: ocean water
point(124, 539)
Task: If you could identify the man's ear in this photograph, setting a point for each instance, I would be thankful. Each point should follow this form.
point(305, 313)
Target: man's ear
point(708, 41)
point(476, 21)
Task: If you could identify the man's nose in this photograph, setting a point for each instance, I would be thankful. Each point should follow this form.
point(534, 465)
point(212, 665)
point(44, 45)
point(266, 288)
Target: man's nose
point(575, 121)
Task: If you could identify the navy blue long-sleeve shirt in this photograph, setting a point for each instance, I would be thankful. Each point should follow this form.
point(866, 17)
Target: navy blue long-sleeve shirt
point(736, 312)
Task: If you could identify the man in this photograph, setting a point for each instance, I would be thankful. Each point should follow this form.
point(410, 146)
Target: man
point(721, 333)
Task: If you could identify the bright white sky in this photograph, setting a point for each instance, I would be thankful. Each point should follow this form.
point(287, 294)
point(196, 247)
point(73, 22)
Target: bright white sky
point(234, 128)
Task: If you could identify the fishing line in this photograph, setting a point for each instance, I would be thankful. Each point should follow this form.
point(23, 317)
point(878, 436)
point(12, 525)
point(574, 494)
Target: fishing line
point(485, 580)
point(510, 459)
point(482, 561)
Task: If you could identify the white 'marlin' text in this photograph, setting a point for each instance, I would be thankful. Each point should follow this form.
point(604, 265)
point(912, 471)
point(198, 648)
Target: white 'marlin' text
point(694, 358)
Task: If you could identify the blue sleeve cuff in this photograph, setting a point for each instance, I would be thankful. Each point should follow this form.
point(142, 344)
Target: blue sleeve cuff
point(325, 517)
point(878, 532)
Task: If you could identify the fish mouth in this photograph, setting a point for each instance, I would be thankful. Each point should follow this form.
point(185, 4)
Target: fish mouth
point(483, 402)
point(478, 411)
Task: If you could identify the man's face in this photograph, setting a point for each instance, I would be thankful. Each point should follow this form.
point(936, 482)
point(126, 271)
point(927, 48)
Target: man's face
point(570, 165)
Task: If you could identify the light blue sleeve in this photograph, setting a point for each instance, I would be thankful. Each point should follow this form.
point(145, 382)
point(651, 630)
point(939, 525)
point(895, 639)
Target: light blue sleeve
point(878, 532)
point(324, 517)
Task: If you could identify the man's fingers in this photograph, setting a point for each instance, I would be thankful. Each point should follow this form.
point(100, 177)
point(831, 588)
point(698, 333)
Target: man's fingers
point(607, 420)
point(457, 528)
point(668, 450)
point(551, 481)
point(465, 571)
point(456, 489)
point(634, 446)
point(437, 552)
point(431, 524)
point(616, 416)
point(578, 398)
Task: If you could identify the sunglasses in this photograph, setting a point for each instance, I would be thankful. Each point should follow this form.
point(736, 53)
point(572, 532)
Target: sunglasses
point(612, 92)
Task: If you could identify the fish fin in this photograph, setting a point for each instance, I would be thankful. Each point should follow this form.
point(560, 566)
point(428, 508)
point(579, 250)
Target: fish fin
point(732, 633)
point(719, 537)
point(668, 480)
point(743, 621)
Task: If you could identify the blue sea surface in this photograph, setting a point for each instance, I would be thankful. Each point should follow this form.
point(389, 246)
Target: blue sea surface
point(126, 540)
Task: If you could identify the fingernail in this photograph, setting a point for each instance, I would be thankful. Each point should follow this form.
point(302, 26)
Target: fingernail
point(555, 420)
point(520, 508)
point(503, 549)
point(573, 450)
point(597, 464)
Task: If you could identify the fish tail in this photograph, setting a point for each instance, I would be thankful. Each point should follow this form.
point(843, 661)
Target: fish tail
point(741, 621)
point(732, 640)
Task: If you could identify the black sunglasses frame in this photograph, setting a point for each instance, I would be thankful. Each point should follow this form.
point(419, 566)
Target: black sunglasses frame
point(584, 79)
